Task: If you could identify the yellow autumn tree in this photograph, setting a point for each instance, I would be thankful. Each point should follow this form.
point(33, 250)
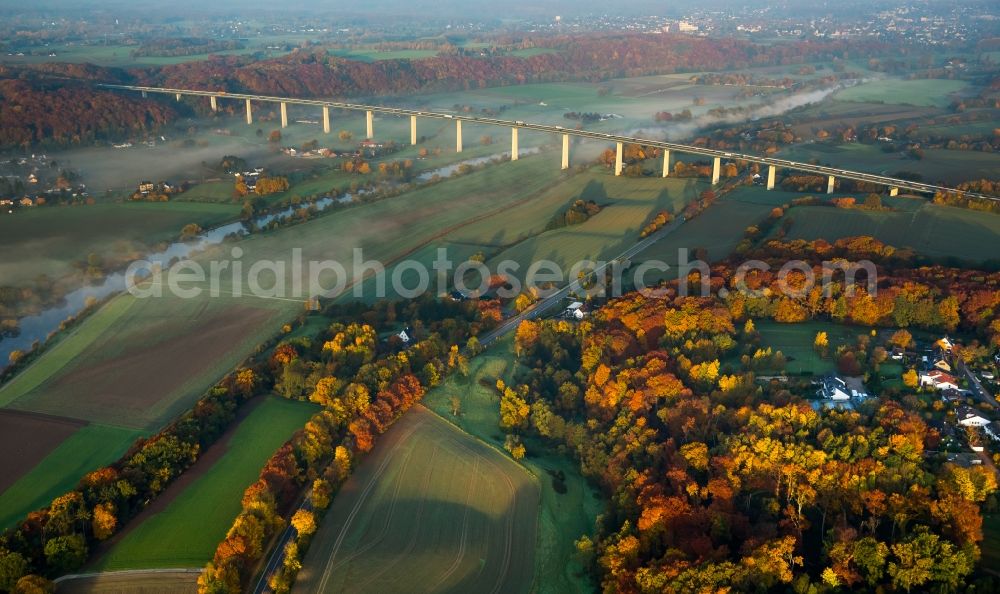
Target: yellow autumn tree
point(821, 343)
point(304, 522)
point(104, 521)
point(514, 409)
point(696, 454)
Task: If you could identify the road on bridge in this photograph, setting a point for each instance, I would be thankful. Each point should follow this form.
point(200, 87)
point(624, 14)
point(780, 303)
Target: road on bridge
point(894, 183)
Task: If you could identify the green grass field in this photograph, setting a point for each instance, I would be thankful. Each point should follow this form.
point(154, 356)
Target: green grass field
point(46, 240)
point(68, 347)
point(937, 231)
point(120, 55)
point(563, 518)
point(430, 505)
point(795, 341)
point(956, 131)
point(718, 229)
point(633, 101)
point(949, 166)
point(186, 532)
point(101, 372)
point(88, 449)
point(628, 204)
point(932, 93)
point(374, 55)
point(518, 235)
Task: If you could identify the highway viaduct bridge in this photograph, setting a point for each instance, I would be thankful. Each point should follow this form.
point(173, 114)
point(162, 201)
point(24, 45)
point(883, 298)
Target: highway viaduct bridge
point(894, 185)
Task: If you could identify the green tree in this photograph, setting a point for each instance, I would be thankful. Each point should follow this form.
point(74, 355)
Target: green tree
point(924, 558)
point(870, 556)
point(13, 566)
point(65, 554)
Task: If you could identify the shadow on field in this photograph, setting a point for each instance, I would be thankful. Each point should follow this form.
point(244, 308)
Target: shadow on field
point(436, 545)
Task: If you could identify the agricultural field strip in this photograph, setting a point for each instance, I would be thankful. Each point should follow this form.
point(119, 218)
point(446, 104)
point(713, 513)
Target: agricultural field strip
point(933, 230)
point(683, 148)
point(559, 512)
point(189, 520)
point(330, 566)
point(454, 438)
point(65, 350)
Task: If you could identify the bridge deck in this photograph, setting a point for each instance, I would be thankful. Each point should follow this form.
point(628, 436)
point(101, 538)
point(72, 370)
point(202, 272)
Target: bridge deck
point(891, 182)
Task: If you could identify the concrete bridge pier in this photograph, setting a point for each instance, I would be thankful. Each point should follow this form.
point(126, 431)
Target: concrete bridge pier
point(178, 96)
point(458, 136)
point(326, 119)
point(513, 144)
point(214, 102)
point(565, 151)
point(144, 95)
point(249, 113)
point(666, 162)
point(716, 170)
point(830, 181)
point(284, 114)
point(771, 174)
point(619, 148)
point(894, 191)
point(369, 124)
point(413, 130)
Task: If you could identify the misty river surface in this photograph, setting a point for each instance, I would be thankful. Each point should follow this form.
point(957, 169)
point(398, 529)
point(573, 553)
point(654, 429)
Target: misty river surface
point(38, 327)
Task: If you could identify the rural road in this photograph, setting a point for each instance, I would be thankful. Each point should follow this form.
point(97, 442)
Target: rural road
point(977, 386)
point(277, 558)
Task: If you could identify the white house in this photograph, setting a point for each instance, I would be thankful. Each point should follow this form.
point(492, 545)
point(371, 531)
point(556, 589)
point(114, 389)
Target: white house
point(838, 388)
point(938, 380)
point(968, 417)
point(575, 310)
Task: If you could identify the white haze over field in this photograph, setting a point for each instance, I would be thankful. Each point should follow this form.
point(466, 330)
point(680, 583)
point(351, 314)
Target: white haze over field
point(679, 131)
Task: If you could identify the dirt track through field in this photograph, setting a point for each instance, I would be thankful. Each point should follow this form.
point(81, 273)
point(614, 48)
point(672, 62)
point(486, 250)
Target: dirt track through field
point(133, 582)
point(26, 439)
